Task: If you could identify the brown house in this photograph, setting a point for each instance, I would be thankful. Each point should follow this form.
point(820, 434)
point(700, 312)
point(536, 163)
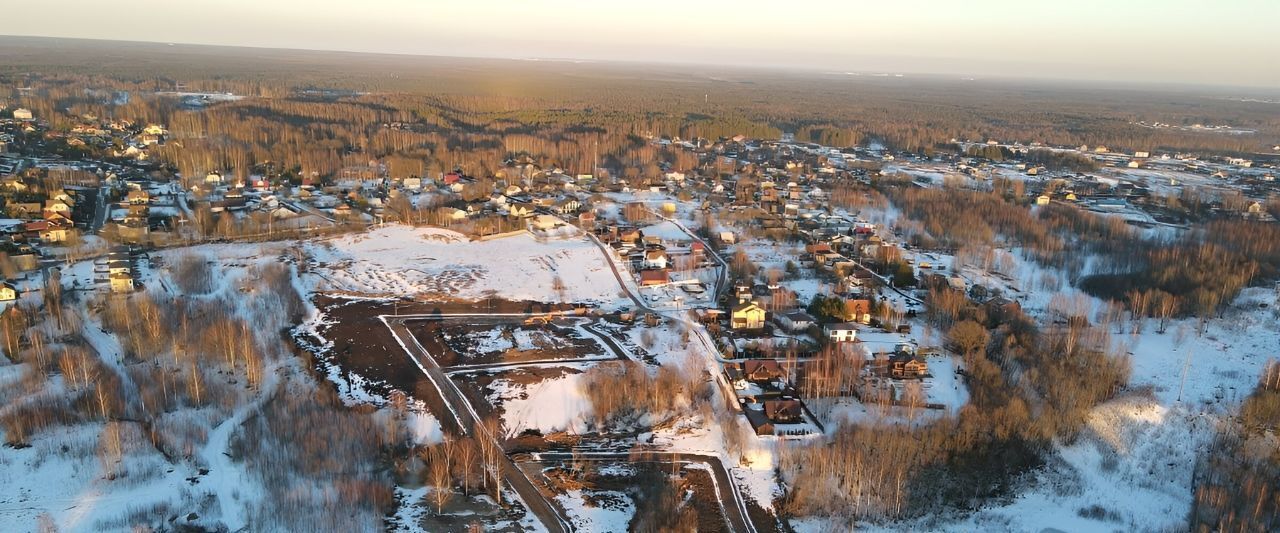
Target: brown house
point(654, 277)
point(784, 411)
point(904, 365)
point(761, 371)
point(858, 310)
point(818, 248)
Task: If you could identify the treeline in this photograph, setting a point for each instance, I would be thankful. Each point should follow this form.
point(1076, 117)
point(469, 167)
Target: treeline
point(470, 464)
point(322, 466)
point(468, 119)
point(1237, 484)
point(1195, 274)
point(1061, 160)
point(629, 393)
point(1027, 388)
point(177, 353)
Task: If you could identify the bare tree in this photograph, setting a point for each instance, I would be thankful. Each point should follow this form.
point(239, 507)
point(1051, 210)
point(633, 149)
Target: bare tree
point(440, 478)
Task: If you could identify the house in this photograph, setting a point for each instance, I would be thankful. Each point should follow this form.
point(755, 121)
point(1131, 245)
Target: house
point(121, 282)
point(655, 277)
point(452, 214)
point(629, 235)
point(587, 219)
point(654, 259)
point(1111, 204)
point(59, 207)
point(55, 233)
point(1002, 309)
point(761, 370)
point(8, 292)
point(521, 210)
point(818, 248)
point(22, 113)
point(708, 316)
point(24, 209)
point(841, 332)
point(1042, 199)
point(567, 206)
point(747, 315)
point(787, 411)
point(906, 365)
point(857, 310)
point(795, 321)
point(546, 222)
point(138, 197)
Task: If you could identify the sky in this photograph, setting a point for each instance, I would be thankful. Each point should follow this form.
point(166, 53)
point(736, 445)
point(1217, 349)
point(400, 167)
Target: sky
point(1203, 42)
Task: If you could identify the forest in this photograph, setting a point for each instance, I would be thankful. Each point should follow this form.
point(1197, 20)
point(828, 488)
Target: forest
point(314, 115)
point(1195, 274)
point(1029, 387)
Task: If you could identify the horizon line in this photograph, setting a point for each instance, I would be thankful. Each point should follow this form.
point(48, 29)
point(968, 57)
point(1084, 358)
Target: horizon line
point(1095, 83)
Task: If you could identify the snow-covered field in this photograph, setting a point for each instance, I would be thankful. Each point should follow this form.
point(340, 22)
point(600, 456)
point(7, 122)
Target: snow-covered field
point(1130, 471)
point(597, 510)
point(548, 405)
point(398, 260)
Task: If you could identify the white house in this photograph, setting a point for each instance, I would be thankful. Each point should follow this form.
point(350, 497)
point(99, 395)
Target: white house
point(22, 113)
point(655, 259)
point(546, 222)
point(842, 332)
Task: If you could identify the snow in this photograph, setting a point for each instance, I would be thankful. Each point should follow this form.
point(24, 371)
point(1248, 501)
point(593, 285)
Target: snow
point(96, 492)
point(945, 387)
point(397, 260)
point(490, 341)
point(425, 427)
point(611, 514)
point(1135, 462)
point(550, 405)
point(1221, 365)
point(667, 231)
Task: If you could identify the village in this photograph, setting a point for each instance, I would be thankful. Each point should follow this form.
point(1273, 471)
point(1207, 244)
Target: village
point(800, 298)
point(796, 277)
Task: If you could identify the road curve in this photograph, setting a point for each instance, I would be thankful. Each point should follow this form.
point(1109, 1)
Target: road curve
point(468, 422)
point(731, 503)
point(608, 258)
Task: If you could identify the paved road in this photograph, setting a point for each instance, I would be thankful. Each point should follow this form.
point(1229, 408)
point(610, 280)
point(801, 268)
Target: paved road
point(100, 210)
point(731, 504)
point(300, 207)
point(468, 422)
point(887, 282)
point(608, 258)
point(722, 277)
point(607, 340)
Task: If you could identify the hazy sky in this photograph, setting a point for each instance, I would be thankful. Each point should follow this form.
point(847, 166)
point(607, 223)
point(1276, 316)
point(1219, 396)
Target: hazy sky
point(1223, 42)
